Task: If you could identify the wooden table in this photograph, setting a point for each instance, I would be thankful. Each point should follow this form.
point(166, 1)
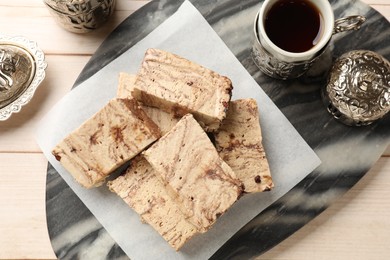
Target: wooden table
point(357, 226)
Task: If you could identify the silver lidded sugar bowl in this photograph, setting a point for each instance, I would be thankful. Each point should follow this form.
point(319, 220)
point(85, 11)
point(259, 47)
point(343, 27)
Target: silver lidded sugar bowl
point(80, 16)
point(358, 88)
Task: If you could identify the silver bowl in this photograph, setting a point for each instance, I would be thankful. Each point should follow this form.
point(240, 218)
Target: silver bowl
point(80, 16)
point(22, 69)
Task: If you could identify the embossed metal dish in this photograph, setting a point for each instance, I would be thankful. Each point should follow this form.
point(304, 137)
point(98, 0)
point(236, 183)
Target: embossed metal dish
point(22, 69)
point(81, 16)
point(358, 88)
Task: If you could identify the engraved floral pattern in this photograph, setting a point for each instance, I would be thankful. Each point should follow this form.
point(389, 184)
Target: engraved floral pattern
point(39, 73)
point(359, 88)
point(81, 15)
point(8, 63)
point(276, 68)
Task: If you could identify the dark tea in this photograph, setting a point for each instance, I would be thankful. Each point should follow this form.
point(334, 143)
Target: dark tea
point(294, 25)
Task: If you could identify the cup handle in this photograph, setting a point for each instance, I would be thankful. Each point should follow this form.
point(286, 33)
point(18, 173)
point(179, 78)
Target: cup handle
point(348, 23)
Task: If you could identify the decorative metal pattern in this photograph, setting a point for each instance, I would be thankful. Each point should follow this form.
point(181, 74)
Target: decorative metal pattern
point(81, 16)
point(22, 69)
point(358, 90)
point(279, 69)
point(275, 68)
point(8, 63)
point(353, 22)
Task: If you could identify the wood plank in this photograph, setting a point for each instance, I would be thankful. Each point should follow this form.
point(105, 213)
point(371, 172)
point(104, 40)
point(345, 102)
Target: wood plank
point(16, 134)
point(25, 18)
point(355, 227)
point(52, 38)
point(129, 5)
point(23, 230)
point(120, 4)
point(387, 152)
point(383, 9)
point(376, 2)
point(33, 20)
point(336, 232)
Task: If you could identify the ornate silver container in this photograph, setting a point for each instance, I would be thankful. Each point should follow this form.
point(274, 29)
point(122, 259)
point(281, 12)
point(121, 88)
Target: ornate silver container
point(80, 16)
point(22, 69)
point(358, 88)
point(276, 68)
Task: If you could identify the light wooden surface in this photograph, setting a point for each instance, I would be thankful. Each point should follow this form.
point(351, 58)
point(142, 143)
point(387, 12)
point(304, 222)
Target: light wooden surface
point(357, 226)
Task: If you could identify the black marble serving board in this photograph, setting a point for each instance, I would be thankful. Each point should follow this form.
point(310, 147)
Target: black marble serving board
point(347, 153)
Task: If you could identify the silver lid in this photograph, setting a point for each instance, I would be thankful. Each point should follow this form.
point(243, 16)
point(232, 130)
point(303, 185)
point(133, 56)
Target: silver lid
point(358, 88)
point(22, 69)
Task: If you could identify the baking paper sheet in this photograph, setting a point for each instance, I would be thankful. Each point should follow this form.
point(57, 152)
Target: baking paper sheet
point(188, 34)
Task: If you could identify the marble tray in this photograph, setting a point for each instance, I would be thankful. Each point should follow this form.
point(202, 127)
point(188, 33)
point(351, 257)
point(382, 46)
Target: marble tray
point(347, 153)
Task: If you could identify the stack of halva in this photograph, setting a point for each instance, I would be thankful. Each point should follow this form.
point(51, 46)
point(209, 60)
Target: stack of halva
point(178, 180)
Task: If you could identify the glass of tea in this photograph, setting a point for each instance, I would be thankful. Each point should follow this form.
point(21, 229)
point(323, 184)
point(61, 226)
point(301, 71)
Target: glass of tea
point(290, 35)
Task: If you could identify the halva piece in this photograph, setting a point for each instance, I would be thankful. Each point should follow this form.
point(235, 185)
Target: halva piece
point(239, 143)
point(164, 120)
point(143, 191)
point(114, 135)
point(188, 162)
point(125, 85)
point(180, 86)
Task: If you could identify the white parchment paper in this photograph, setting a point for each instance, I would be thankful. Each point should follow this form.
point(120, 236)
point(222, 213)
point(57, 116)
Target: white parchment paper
point(188, 34)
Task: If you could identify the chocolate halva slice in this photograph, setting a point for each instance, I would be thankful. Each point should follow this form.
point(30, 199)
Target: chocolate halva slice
point(180, 86)
point(144, 192)
point(125, 85)
point(239, 143)
point(164, 120)
point(188, 162)
point(111, 137)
